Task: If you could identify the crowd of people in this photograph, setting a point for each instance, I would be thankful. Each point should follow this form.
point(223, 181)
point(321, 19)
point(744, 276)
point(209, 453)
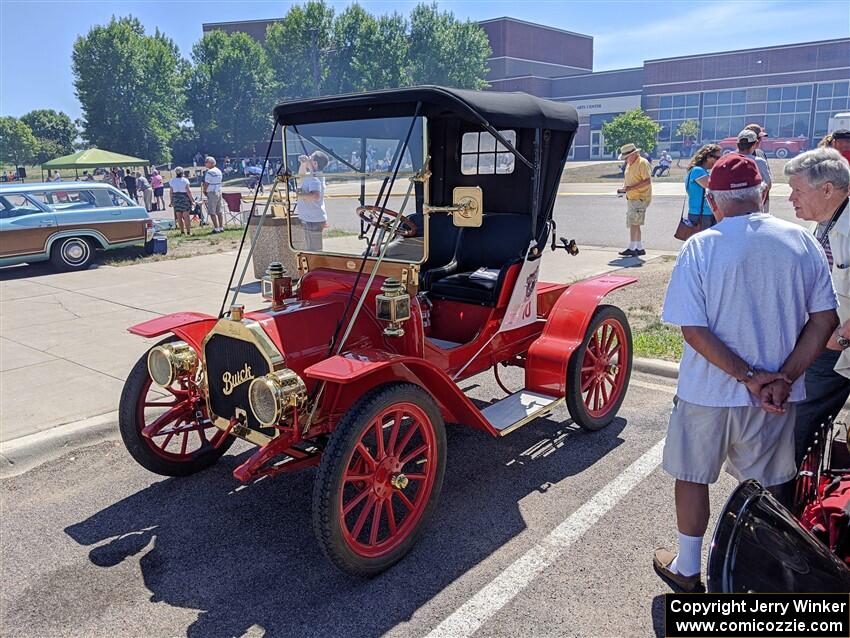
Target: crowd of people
point(764, 309)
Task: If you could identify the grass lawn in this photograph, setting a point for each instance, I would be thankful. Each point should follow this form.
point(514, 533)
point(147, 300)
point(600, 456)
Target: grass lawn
point(642, 302)
point(200, 242)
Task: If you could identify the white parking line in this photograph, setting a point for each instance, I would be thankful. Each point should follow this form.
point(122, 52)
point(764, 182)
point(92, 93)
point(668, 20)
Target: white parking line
point(470, 616)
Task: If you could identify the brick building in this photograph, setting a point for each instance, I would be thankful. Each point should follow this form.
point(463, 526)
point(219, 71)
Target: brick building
point(792, 89)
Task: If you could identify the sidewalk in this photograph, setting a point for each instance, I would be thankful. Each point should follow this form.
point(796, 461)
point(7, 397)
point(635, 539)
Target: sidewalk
point(65, 350)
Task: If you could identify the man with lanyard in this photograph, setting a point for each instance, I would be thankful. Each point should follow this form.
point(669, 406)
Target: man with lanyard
point(819, 181)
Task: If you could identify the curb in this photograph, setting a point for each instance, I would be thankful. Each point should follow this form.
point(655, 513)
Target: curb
point(657, 367)
point(26, 452)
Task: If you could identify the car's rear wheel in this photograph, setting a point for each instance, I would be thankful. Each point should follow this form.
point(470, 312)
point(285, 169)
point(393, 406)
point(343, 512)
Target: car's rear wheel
point(72, 253)
point(379, 479)
point(167, 430)
point(781, 153)
point(599, 370)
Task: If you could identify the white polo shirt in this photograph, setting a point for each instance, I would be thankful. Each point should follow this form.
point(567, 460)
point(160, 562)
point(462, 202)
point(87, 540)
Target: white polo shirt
point(752, 280)
point(213, 179)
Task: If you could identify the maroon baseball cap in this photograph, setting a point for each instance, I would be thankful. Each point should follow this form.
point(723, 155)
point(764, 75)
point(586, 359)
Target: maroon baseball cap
point(733, 172)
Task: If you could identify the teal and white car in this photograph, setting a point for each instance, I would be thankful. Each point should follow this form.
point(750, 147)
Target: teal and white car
point(66, 223)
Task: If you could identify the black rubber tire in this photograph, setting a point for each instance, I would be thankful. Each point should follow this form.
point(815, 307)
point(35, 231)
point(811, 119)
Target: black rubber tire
point(782, 153)
point(575, 404)
point(134, 441)
point(326, 515)
point(60, 260)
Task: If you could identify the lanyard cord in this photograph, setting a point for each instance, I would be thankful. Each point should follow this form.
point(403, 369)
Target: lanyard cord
point(834, 220)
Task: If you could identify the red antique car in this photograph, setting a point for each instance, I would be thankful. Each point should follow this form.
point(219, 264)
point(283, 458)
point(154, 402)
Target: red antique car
point(355, 368)
point(759, 545)
point(780, 147)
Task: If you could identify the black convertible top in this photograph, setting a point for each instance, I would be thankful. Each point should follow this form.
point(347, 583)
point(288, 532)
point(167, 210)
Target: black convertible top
point(519, 110)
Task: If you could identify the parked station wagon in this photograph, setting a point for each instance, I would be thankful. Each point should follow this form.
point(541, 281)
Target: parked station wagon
point(66, 223)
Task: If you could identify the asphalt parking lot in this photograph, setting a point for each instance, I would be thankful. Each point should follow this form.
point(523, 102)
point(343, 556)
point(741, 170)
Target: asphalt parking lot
point(547, 532)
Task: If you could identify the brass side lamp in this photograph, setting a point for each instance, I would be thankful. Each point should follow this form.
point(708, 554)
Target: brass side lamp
point(393, 306)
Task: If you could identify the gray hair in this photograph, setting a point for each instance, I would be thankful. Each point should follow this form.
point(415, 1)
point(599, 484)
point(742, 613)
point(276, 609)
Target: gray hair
point(178, 171)
point(210, 158)
point(750, 195)
point(819, 166)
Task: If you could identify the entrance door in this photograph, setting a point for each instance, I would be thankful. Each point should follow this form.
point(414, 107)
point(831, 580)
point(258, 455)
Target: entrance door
point(597, 145)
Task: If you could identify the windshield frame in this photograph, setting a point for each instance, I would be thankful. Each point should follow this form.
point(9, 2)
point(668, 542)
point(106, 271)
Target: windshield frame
point(402, 177)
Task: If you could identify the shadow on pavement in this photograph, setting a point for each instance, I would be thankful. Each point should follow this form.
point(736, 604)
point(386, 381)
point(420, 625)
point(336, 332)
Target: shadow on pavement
point(246, 555)
point(627, 262)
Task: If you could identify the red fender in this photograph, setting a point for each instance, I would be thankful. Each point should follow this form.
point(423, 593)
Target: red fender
point(192, 327)
point(548, 356)
point(357, 372)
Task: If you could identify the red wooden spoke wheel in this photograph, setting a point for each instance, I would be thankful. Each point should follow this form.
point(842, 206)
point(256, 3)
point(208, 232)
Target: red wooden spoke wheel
point(379, 479)
point(599, 370)
point(166, 430)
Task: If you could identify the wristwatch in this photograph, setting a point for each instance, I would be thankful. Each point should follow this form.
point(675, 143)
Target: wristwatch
point(844, 342)
point(750, 374)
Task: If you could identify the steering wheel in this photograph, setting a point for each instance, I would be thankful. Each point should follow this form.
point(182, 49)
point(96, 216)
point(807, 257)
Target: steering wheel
point(372, 216)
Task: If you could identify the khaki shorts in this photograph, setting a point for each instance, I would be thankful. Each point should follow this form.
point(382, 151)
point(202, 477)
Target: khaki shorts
point(754, 444)
point(213, 203)
point(636, 215)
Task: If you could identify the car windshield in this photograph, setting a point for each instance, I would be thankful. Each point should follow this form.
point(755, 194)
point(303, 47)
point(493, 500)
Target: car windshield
point(338, 167)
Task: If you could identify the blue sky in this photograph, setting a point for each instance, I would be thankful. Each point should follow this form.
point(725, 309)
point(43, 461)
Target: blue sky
point(36, 36)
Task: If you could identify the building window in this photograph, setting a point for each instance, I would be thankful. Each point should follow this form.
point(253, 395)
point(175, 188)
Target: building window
point(481, 154)
point(672, 111)
point(832, 98)
point(782, 110)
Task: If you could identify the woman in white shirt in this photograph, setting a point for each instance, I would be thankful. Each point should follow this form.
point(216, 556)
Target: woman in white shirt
point(181, 200)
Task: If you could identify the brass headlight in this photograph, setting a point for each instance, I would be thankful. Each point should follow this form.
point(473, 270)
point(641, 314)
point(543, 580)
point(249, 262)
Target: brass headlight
point(270, 395)
point(167, 361)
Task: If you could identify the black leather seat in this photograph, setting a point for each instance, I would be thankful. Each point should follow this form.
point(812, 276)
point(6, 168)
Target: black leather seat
point(501, 240)
point(443, 238)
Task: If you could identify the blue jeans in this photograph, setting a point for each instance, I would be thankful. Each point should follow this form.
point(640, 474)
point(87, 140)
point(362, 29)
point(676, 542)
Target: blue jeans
point(826, 392)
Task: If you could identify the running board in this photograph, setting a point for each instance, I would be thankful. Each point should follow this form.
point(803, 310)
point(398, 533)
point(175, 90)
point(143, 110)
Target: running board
point(518, 409)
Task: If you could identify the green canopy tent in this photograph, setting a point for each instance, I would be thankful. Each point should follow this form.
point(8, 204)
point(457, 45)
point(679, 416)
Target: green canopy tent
point(92, 158)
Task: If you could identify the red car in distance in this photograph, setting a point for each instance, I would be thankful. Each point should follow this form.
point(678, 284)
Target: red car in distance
point(780, 147)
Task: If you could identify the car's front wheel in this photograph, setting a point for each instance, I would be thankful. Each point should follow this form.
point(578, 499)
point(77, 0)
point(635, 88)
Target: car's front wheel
point(167, 430)
point(72, 253)
point(379, 479)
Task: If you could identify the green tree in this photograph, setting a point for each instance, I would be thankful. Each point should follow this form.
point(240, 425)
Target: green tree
point(184, 144)
point(54, 130)
point(18, 145)
point(634, 127)
point(298, 49)
point(229, 92)
point(446, 51)
point(130, 86)
point(688, 128)
point(384, 64)
point(349, 48)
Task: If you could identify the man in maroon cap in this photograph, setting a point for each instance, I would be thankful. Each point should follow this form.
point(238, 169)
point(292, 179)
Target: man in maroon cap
point(755, 302)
